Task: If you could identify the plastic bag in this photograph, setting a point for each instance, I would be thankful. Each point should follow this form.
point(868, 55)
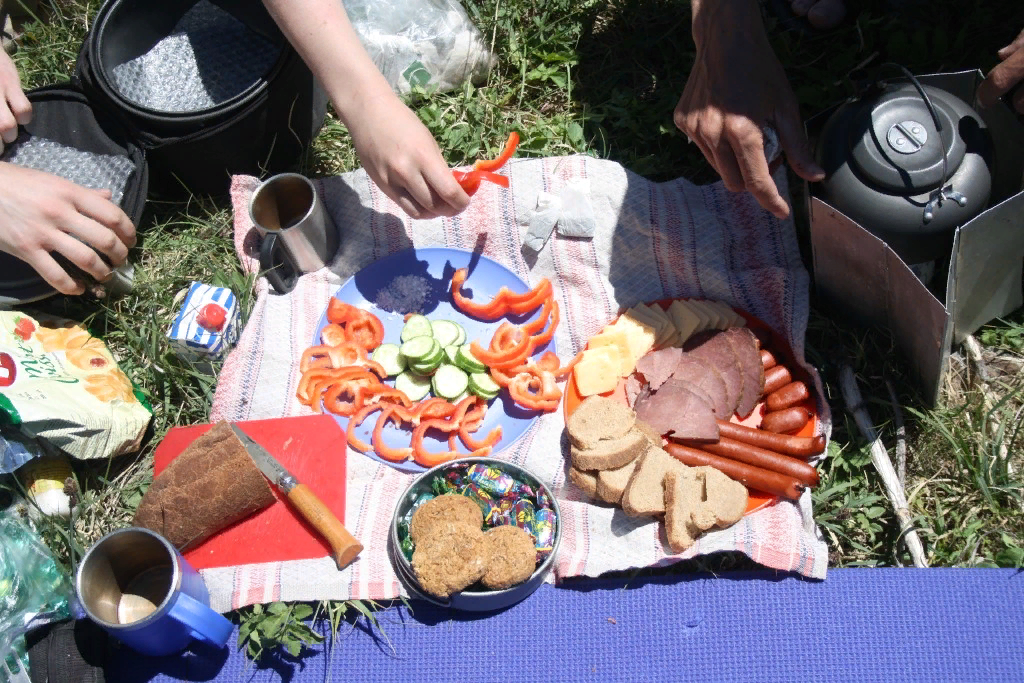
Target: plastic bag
point(60, 387)
point(33, 590)
point(428, 43)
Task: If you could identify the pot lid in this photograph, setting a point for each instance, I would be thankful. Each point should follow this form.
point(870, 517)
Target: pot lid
point(894, 144)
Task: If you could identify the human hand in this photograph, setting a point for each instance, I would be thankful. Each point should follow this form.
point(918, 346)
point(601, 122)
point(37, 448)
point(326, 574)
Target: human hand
point(402, 157)
point(737, 86)
point(1008, 73)
point(15, 108)
point(42, 213)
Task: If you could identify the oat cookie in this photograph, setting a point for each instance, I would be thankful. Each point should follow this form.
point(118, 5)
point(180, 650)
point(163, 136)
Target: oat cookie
point(513, 557)
point(450, 559)
point(451, 507)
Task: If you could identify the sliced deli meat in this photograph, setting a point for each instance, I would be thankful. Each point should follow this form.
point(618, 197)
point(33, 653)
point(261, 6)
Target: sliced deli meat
point(658, 366)
point(705, 376)
point(675, 409)
point(748, 355)
point(713, 348)
point(633, 387)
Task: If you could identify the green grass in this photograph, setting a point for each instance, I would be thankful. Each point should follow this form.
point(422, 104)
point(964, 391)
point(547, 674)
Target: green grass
point(602, 78)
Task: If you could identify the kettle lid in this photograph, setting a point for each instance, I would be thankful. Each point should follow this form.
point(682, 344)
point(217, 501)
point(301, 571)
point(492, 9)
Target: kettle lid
point(894, 144)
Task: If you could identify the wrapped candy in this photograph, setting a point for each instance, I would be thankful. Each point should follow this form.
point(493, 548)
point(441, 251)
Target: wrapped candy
point(544, 532)
point(491, 479)
point(501, 513)
point(525, 515)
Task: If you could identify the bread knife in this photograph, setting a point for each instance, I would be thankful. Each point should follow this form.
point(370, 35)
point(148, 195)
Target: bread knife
point(344, 546)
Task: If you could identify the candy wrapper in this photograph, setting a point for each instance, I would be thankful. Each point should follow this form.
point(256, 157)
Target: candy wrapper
point(544, 532)
point(206, 326)
point(62, 390)
point(491, 479)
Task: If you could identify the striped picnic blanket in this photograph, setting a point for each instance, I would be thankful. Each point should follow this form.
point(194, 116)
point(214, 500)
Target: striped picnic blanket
point(652, 241)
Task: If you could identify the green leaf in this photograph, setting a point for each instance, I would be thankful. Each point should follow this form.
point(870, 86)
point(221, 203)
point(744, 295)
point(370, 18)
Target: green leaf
point(302, 612)
point(277, 608)
point(575, 133)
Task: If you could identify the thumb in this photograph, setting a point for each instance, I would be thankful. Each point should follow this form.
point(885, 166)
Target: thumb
point(794, 144)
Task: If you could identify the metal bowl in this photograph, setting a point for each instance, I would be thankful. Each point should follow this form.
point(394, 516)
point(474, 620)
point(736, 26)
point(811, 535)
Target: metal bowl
point(469, 599)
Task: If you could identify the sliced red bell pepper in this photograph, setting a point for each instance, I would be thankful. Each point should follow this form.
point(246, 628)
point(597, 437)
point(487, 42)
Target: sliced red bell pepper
point(502, 158)
point(340, 312)
point(545, 336)
point(521, 306)
point(332, 398)
point(355, 421)
point(489, 311)
point(420, 454)
point(470, 180)
point(366, 330)
point(333, 334)
point(434, 408)
point(537, 324)
point(381, 448)
point(472, 444)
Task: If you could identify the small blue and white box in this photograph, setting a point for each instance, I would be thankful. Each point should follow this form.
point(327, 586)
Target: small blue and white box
point(207, 324)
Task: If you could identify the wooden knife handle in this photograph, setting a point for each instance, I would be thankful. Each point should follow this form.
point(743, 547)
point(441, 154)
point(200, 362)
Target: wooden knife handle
point(312, 509)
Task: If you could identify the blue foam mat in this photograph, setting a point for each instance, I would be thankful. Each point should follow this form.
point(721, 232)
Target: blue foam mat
point(858, 625)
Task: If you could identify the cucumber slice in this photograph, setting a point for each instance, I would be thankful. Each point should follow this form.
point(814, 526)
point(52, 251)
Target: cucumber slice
point(417, 348)
point(416, 326)
point(449, 381)
point(461, 396)
point(426, 368)
point(449, 353)
point(412, 385)
point(436, 353)
point(481, 384)
point(467, 361)
point(462, 335)
point(445, 332)
point(390, 358)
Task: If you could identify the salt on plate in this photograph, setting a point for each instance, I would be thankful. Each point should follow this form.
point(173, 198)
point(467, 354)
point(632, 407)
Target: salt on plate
point(405, 294)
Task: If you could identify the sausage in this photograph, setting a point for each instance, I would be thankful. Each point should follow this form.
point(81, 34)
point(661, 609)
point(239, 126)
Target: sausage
point(767, 359)
point(786, 421)
point(765, 459)
point(753, 477)
point(787, 397)
point(776, 378)
point(797, 446)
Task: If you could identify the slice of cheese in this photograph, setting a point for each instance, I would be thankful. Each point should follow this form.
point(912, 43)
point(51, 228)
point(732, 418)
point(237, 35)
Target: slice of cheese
point(641, 335)
point(717, 321)
point(729, 317)
point(698, 310)
point(686, 321)
point(597, 371)
point(667, 328)
point(620, 340)
point(640, 312)
point(659, 313)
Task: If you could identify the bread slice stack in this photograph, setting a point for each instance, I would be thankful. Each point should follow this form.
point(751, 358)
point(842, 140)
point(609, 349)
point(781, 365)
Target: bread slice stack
point(619, 460)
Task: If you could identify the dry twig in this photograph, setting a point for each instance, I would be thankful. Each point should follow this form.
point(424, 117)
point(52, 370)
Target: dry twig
point(880, 459)
point(901, 436)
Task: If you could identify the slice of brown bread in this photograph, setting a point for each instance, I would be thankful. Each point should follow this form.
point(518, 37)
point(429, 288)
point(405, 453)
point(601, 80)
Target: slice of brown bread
point(597, 419)
point(648, 431)
point(610, 454)
point(682, 494)
point(726, 497)
point(645, 495)
point(612, 483)
point(585, 481)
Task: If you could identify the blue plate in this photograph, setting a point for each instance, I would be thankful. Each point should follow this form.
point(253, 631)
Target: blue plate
point(372, 289)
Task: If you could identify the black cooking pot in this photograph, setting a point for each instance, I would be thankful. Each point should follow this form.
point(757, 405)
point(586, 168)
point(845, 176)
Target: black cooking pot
point(909, 163)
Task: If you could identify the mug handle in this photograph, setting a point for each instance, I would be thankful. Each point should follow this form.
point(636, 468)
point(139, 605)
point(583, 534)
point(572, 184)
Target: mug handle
point(277, 265)
point(205, 623)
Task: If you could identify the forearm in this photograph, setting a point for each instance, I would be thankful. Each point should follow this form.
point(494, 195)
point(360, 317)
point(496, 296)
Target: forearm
point(323, 35)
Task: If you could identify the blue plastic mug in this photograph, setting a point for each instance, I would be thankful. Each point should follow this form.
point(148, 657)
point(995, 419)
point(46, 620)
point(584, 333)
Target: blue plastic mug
point(139, 588)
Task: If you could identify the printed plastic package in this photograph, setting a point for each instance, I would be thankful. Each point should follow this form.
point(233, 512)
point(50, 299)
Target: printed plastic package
point(206, 326)
point(61, 390)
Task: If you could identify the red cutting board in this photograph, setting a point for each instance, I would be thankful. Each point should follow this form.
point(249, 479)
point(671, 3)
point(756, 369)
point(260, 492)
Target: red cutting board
point(312, 448)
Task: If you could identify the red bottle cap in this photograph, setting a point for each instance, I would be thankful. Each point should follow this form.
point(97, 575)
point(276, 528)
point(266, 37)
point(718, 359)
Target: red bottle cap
point(212, 317)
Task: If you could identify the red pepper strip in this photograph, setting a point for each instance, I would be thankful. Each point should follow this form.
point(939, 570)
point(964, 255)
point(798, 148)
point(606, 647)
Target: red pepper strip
point(355, 421)
point(505, 337)
point(340, 312)
point(545, 336)
point(472, 444)
point(366, 331)
point(500, 359)
point(382, 393)
point(420, 454)
point(407, 415)
point(303, 392)
point(506, 154)
point(333, 334)
point(535, 326)
point(532, 303)
point(546, 395)
point(382, 449)
point(492, 310)
point(470, 181)
point(310, 354)
point(434, 408)
point(333, 402)
point(548, 361)
point(542, 289)
point(563, 372)
point(348, 353)
point(502, 379)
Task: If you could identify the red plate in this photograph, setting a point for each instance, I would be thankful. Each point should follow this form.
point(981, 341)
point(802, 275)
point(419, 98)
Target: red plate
point(777, 346)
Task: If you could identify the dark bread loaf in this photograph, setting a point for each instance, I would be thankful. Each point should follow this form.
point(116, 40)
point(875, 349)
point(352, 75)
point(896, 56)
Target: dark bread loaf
point(211, 485)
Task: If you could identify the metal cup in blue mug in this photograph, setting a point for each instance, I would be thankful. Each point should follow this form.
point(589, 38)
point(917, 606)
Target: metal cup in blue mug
point(139, 588)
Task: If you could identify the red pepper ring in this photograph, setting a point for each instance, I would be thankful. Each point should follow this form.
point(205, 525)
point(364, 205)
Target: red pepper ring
point(503, 358)
point(470, 180)
point(419, 452)
point(506, 153)
point(355, 421)
point(489, 311)
point(381, 448)
point(340, 312)
point(333, 402)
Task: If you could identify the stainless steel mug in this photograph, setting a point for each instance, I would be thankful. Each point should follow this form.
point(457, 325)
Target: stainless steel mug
point(139, 588)
point(298, 235)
